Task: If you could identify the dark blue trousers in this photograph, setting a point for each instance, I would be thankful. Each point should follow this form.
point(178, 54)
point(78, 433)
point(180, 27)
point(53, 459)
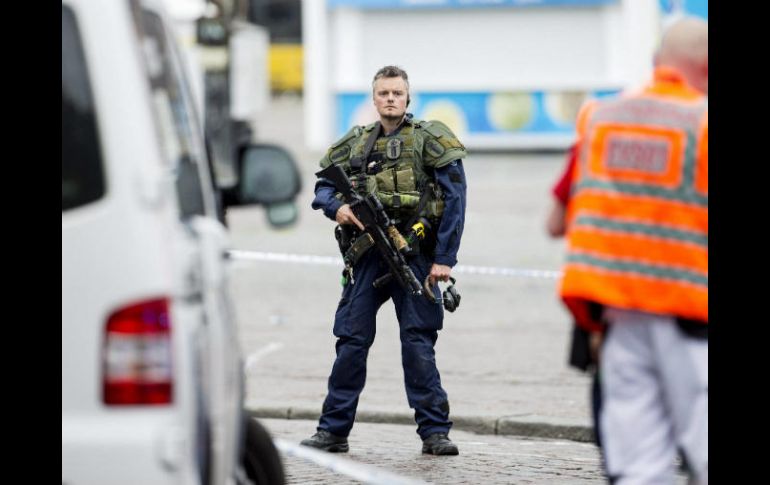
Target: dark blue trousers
point(355, 328)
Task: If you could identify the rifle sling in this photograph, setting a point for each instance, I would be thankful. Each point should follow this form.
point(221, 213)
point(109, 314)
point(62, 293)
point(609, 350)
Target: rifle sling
point(420, 205)
point(364, 241)
point(357, 163)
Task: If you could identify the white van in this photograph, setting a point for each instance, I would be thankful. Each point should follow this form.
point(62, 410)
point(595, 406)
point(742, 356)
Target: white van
point(152, 379)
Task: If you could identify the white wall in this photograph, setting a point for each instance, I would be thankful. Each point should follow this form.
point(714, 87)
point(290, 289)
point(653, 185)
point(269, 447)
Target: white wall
point(471, 49)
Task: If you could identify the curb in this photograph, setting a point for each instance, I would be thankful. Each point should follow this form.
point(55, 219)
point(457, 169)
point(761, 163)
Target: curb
point(528, 425)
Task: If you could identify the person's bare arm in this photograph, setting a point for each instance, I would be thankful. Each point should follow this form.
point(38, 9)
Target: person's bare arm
point(556, 225)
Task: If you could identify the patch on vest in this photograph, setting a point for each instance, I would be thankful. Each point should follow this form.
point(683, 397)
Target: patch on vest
point(393, 149)
point(638, 155)
point(340, 154)
point(434, 148)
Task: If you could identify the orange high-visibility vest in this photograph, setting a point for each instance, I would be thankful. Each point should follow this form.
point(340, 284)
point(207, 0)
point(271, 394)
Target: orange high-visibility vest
point(638, 212)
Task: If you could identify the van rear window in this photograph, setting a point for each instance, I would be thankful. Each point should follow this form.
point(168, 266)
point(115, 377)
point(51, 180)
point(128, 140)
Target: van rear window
point(82, 173)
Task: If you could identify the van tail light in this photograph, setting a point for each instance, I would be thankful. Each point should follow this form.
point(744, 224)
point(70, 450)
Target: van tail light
point(137, 355)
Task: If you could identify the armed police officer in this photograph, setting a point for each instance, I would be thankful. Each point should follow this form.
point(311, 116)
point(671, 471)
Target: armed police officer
point(414, 169)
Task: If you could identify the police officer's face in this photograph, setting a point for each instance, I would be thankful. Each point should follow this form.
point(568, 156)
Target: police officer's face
point(390, 94)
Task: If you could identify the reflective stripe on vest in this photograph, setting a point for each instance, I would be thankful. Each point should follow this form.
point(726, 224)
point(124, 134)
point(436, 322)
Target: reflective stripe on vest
point(638, 224)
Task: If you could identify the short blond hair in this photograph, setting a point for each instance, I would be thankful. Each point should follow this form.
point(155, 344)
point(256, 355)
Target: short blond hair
point(391, 71)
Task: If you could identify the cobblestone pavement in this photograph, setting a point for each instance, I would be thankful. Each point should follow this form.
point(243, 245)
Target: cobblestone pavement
point(483, 459)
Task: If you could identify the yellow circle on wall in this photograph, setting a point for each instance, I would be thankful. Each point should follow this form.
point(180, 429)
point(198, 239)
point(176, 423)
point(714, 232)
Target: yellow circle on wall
point(563, 107)
point(510, 111)
point(449, 113)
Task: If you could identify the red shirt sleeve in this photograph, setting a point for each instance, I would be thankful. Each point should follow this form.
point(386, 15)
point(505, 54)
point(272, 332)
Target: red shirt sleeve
point(562, 188)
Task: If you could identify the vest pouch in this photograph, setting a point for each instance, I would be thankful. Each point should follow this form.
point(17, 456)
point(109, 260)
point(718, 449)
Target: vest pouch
point(399, 200)
point(371, 185)
point(358, 248)
point(385, 182)
point(405, 181)
point(435, 208)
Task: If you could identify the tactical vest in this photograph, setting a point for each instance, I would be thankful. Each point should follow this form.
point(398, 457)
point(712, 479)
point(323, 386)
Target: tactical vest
point(638, 211)
point(399, 168)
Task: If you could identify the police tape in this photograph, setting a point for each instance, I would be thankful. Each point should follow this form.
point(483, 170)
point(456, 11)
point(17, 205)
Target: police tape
point(344, 466)
point(312, 259)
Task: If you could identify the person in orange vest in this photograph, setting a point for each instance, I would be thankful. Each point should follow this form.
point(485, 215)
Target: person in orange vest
point(636, 226)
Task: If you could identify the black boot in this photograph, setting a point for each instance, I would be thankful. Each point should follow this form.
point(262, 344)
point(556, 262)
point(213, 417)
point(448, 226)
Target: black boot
point(324, 440)
point(439, 444)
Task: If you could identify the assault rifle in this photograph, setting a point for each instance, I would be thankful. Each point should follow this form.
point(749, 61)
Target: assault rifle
point(389, 242)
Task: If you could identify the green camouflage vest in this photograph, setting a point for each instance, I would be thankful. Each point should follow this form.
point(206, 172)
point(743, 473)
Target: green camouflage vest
point(407, 160)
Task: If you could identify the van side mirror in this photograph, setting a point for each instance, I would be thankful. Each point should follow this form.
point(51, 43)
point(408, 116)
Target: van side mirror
point(267, 175)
